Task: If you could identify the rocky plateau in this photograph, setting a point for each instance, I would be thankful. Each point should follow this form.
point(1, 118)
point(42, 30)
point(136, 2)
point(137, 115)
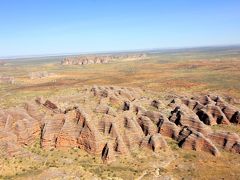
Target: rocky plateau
point(110, 122)
point(91, 59)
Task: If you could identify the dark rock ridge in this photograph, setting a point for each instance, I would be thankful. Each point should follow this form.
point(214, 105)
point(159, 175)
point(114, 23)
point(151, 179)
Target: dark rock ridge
point(113, 121)
point(83, 60)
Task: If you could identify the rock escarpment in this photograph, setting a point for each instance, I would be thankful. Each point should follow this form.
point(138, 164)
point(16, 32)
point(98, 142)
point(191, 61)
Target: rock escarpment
point(101, 59)
point(113, 121)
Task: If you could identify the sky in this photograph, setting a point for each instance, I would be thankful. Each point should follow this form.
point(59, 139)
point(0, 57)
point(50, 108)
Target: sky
point(41, 27)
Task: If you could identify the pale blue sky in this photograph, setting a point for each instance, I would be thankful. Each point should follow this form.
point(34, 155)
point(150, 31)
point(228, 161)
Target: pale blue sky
point(37, 27)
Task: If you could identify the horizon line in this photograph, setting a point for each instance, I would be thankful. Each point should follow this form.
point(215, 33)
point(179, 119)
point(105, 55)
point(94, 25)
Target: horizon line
point(113, 51)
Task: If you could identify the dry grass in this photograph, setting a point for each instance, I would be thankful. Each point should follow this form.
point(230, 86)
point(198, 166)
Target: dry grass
point(177, 73)
point(220, 76)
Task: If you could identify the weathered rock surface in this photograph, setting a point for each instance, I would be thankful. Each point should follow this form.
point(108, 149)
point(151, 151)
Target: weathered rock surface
point(213, 110)
point(226, 140)
point(108, 153)
point(113, 121)
point(101, 59)
point(191, 139)
point(155, 142)
point(8, 144)
point(183, 116)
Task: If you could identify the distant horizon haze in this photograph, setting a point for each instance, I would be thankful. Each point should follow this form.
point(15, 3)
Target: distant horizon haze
point(159, 50)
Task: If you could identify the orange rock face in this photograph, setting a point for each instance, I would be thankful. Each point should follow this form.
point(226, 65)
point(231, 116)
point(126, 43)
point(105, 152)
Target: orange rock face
point(113, 121)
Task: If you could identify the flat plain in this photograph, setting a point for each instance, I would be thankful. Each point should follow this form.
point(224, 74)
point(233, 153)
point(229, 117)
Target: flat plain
point(185, 72)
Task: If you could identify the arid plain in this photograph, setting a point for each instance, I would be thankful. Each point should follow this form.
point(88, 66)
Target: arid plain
point(152, 83)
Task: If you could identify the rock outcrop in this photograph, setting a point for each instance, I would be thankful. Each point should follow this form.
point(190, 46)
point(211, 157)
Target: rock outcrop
point(213, 110)
point(101, 59)
point(191, 139)
point(113, 121)
point(226, 140)
point(155, 142)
